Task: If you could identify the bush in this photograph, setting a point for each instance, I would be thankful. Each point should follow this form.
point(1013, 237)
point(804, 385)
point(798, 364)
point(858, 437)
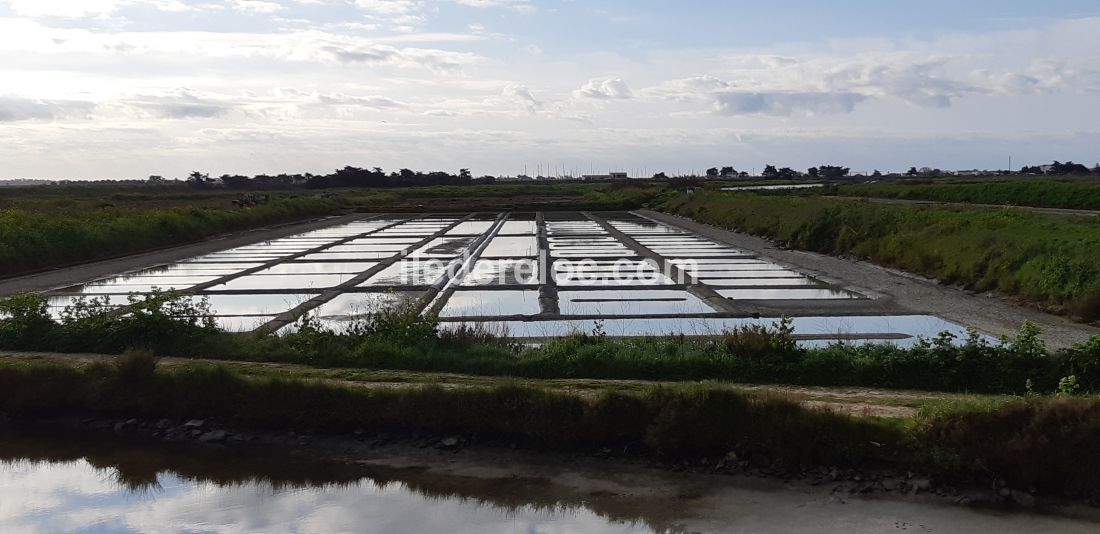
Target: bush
point(135, 367)
point(1044, 444)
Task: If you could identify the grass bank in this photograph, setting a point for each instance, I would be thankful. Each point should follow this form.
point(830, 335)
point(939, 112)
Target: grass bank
point(1053, 263)
point(401, 339)
point(36, 239)
point(1039, 192)
point(1040, 443)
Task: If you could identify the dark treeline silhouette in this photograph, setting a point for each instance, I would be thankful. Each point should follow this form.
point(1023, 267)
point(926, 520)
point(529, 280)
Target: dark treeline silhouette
point(346, 177)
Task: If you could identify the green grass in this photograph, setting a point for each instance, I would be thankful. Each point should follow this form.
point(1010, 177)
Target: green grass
point(1039, 192)
point(56, 235)
point(1054, 263)
point(1040, 443)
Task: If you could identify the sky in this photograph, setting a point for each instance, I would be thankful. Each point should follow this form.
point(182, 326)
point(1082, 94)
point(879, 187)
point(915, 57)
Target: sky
point(124, 89)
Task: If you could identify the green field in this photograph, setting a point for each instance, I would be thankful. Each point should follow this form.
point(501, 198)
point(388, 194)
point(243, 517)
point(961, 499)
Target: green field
point(1047, 193)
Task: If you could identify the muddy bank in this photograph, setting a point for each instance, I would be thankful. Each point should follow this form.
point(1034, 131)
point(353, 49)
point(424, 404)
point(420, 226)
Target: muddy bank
point(630, 495)
point(991, 314)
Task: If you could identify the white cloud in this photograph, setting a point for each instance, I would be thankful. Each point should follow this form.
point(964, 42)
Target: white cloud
point(87, 8)
point(391, 71)
point(604, 89)
point(521, 94)
point(373, 101)
point(182, 103)
point(17, 108)
point(256, 7)
point(396, 13)
point(524, 6)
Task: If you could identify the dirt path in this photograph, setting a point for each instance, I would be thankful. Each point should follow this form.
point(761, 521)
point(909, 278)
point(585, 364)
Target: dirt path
point(993, 315)
point(855, 401)
point(73, 275)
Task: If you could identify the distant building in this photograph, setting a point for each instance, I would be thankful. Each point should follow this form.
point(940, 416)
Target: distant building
point(604, 177)
point(1046, 168)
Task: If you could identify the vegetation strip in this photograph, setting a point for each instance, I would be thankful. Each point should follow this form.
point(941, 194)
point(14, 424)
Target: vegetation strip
point(1067, 194)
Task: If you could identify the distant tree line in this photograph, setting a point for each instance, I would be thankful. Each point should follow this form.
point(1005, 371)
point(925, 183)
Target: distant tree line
point(345, 177)
point(376, 177)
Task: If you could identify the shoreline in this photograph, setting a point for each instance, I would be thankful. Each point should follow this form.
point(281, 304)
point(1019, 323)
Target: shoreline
point(601, 476)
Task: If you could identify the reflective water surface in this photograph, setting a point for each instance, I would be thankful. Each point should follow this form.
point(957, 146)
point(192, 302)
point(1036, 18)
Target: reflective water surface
point(54, 484)
point(103, 484)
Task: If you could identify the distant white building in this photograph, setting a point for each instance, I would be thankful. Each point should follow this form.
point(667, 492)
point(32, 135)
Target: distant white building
point(609, 176)
point(975, 172)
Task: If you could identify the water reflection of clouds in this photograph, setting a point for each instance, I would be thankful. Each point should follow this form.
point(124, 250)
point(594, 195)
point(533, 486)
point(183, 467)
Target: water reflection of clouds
point(77, 497)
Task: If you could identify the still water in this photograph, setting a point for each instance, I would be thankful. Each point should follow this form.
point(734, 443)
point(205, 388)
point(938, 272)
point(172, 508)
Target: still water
point(50, 484)
point(103, 484)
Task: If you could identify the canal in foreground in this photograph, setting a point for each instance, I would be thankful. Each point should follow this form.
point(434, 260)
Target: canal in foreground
point(67, 483)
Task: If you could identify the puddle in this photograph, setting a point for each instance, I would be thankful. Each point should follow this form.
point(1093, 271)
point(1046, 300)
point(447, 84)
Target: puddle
point(321, 267)
point(771, 187)
point(165, 281)
point(582, 280)
point(241, 324)
point(391, 248)
point(387, 240)
point(502, 272)
point(514, 227)
point(840, 328)
point(568, 253)
point(61, 301)
point(511, 247)
point(347, 256)
point(196, 269)
point(766, 273)
point(284, 281)
point(473, 303)
point(789, 294)
point(710, 261)
point(411, 272)
point(471, 228)
point(633, 302)
point(757, 282)
point(445, 247)
point(258, 304)
point(263, 258)
point(350, 305)
point(125, 289)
